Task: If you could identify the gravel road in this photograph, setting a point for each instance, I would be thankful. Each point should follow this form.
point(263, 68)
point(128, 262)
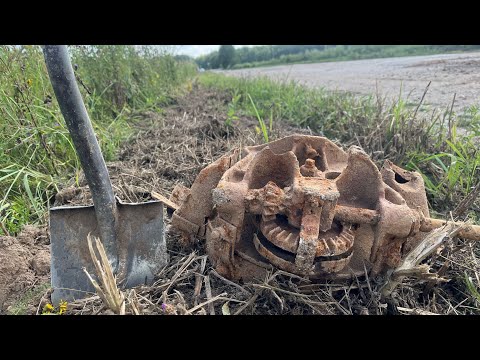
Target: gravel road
point(449, 73)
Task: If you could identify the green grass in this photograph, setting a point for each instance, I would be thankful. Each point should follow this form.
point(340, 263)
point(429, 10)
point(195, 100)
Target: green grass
point(263, 127)
point(472, 289)
point(31, 296)
point(36, 152)
point(424, 140)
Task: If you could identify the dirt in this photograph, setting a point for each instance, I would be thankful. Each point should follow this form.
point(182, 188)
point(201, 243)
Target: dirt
point(170, 148)
point(449, 73)
point(24, 264)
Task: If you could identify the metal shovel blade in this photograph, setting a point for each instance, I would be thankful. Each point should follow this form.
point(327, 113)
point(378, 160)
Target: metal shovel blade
point(140, 248)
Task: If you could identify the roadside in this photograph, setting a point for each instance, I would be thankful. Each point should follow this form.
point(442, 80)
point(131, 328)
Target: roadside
point(449, 73)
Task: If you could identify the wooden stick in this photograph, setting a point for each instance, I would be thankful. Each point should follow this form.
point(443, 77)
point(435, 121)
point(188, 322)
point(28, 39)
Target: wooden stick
point(208, 291)
point(416, 311)
point(262, 286)
point(468, 201)
point(249, 302)
point(246, 292)
point(179, 272)
point(164, 200)
point(218, 297)
point(198, 287)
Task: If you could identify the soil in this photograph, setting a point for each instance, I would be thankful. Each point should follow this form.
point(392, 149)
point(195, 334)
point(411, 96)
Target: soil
point(24, 264)
point(170, 148)
point(449, 73)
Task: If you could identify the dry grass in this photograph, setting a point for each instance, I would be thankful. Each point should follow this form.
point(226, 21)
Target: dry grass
point(410, 264)
point(107, 290)
point(189, 285)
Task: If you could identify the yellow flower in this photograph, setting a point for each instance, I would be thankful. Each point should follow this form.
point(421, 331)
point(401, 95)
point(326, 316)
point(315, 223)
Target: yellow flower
point(29, 82)
point(48, 308)
point(62, 308)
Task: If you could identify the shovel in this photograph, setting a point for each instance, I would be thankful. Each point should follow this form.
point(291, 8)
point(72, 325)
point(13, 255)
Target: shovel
point(132, 234)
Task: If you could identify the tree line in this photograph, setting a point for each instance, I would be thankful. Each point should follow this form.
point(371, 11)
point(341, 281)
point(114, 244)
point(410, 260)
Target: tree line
point(227, 56)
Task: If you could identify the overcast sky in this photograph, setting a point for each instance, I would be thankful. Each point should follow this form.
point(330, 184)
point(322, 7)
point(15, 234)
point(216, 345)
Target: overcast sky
point(197, 50)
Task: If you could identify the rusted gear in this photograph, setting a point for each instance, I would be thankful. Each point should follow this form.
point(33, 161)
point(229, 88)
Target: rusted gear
point(334, 242)
point(304, 205)
point(334, 245)
point(310, 237)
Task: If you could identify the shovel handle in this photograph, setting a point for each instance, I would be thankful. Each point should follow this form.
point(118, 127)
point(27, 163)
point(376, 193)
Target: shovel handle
point(73, 110)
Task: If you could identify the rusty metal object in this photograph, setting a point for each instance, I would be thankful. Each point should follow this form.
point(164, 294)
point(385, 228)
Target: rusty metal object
point(304, 205)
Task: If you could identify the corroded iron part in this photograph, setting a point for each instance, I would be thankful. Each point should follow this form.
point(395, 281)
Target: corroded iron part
point(304, 205)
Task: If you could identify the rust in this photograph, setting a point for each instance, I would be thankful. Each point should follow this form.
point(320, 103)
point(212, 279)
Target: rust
point(304, 205)
point(356, 215)
point(179, 194)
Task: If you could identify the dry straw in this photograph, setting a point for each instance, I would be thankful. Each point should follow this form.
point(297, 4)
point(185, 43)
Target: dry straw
point(108, 291)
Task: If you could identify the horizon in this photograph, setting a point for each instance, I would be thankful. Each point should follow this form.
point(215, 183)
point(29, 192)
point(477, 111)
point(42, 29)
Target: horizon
point(199, 50)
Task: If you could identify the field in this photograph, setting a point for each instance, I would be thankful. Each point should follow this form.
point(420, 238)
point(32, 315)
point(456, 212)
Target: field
point(157, 135)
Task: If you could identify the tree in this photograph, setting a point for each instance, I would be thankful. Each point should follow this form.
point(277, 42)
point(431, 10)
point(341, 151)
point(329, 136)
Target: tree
point(226, 55)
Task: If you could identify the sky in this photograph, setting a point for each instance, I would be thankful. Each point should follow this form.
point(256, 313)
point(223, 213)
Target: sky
point(197, 50)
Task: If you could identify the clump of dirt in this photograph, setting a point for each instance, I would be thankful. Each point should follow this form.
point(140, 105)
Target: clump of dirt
point(67, 195)
point(41, 262)
point(24, 264)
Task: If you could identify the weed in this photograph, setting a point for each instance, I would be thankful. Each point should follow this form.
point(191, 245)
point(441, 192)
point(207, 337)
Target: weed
point(262, 128)
point(472, 289)
point(232, 110)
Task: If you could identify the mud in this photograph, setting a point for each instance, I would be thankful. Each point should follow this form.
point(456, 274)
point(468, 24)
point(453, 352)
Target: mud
point(449, 73)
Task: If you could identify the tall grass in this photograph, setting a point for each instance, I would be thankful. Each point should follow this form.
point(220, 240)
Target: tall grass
point(36, 152)
point(263, 127)
point(428, 141)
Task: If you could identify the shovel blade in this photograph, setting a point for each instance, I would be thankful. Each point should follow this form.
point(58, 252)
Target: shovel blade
point(139, 253)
